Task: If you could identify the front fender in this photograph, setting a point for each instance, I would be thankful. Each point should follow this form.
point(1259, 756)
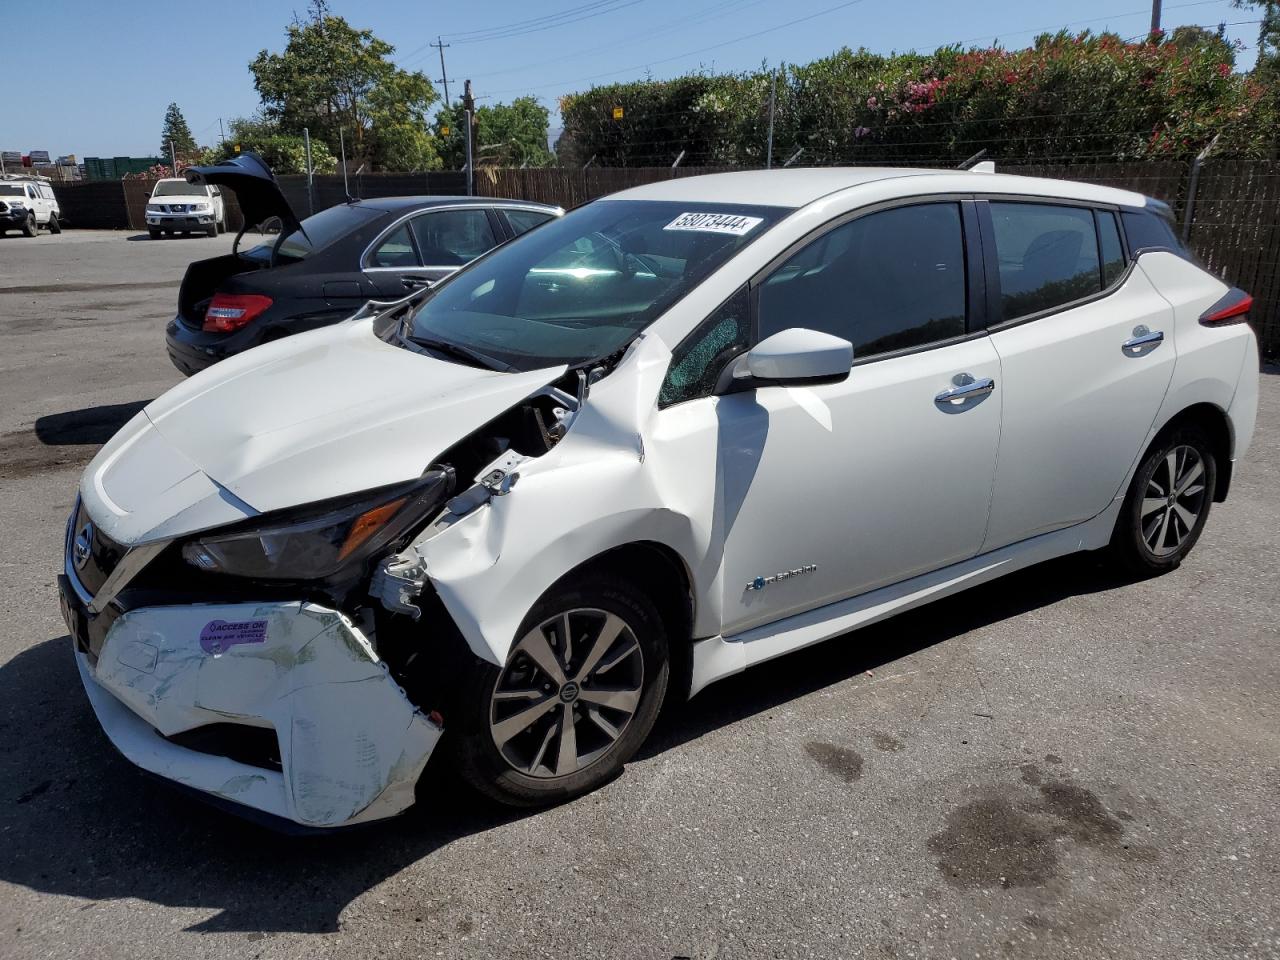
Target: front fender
point(611, 482)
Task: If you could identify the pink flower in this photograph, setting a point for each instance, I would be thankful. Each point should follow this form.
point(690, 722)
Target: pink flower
point(861, 131)
point(872, 102)
point(1224, 69)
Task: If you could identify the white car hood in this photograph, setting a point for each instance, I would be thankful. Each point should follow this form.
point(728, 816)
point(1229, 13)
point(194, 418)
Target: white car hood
point(315, 416)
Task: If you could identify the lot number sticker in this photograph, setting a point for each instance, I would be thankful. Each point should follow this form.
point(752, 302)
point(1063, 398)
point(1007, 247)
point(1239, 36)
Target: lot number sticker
point(730, 223)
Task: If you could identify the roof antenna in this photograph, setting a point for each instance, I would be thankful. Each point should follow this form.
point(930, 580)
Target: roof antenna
point(976, 164)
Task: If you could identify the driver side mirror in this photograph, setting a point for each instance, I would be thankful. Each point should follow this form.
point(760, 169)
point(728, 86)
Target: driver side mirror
point(791, 358)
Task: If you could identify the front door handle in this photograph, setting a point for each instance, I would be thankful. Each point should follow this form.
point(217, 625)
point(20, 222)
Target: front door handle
point(1142, 337)
point(415, 282)
point(966, 388)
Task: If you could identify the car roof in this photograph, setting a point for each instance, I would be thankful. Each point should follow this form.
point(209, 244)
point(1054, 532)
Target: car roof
point(393, 204)
point(797, 187)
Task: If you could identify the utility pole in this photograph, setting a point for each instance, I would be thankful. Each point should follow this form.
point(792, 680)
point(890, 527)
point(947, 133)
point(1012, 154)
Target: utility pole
point(1155, 16)
point(222, 134)
point(444, 76)
point(469, 105)
point(306, 142)
point(773, 95)
point(342, 148)
point(173, 159)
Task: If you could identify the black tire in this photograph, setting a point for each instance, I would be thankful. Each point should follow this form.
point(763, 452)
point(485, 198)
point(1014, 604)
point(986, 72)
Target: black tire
point(222, 226)
point(1149, 538)
point(154, 234)
point(54, 225)
point(475, 752)
point(212, 231)
point(30, 228)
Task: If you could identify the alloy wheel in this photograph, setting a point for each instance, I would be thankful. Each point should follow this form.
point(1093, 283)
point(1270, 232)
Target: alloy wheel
point(570, 689)
point(1173, 501)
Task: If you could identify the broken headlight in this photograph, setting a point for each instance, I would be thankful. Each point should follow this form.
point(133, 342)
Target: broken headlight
point(316, 542)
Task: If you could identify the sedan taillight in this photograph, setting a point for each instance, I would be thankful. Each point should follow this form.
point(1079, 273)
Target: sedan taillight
point(1233, 308)
point(231, 311)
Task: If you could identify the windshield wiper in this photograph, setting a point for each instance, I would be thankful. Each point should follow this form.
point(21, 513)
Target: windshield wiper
point(460, 352)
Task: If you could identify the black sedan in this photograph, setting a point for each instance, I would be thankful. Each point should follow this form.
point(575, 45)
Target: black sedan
point(320, 270)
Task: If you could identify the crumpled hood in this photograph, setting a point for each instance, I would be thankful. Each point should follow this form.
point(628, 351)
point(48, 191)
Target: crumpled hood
point(310, 417)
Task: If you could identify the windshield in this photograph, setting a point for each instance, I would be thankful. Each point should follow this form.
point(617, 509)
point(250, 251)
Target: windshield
point(11, 190)
point(581, 287)
point(318, 231)
point(179, 188)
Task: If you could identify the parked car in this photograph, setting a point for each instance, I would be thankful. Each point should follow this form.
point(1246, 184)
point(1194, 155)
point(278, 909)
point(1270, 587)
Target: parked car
point(28, 203)
point(317, 271)
point(177, 206)
point(676, 433)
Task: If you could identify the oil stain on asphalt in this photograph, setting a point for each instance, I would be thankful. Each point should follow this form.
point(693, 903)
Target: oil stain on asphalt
point(1005, 838)
point(840, 762)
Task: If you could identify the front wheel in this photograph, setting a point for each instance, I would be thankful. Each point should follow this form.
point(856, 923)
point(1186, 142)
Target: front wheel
point(1167, 504)
point(578, 695)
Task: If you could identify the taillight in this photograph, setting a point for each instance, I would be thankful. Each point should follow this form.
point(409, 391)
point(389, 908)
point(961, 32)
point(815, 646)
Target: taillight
point(1233, 308)
point(231, 311)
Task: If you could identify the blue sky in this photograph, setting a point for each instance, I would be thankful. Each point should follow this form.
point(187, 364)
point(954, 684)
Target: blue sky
point(121, 70)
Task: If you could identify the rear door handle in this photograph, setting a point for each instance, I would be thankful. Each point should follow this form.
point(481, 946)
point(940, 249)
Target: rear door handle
point(966, 388)
point(415, 282)
point(1142, 337)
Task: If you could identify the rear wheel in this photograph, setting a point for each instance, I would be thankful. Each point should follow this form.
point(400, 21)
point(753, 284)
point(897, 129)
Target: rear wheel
point(212, 231)
point(578, 695)
point(54, 225)
point(29, 228)
point(1167, 504)
point(222, 226)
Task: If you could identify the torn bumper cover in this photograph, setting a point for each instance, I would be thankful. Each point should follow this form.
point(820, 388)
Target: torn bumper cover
point(350, 744)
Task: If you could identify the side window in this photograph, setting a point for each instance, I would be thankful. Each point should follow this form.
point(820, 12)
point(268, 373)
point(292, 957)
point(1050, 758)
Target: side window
point(31, 192)
point(1109, 244)
point(697, 362)
point(396, 250)
point(451, 238)
point(886, 281)
point(1048, 256)
point(522, 221)
point(1145, 230)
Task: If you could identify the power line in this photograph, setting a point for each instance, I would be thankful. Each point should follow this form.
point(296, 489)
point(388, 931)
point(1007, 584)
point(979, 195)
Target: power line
point(1116, 16)
point(690, 53)
point(674, 25)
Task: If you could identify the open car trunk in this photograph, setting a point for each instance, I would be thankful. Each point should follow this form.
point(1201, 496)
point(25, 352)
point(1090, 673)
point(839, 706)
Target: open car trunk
point(201, 282)
point(251, 180)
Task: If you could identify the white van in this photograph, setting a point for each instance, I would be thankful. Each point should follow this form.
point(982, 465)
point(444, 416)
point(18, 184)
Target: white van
point(27, 203)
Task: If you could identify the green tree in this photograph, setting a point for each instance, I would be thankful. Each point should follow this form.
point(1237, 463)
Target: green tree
point(178, 133)
point(283, 152)
point(333, 77)
point(506, 134)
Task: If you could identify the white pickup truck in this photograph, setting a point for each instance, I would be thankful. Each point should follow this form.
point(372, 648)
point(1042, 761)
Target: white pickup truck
point(177, 206)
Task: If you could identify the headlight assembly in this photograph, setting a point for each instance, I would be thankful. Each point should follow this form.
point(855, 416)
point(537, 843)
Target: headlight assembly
point(318, 541)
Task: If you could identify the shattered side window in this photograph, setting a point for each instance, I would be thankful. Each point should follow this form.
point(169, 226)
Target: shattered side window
point(698, 360)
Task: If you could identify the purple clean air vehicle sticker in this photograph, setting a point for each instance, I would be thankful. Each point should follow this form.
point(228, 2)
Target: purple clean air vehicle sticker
point(218, 636)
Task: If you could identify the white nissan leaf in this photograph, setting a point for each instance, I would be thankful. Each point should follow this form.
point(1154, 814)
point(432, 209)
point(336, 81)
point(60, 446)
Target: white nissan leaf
point(681, 431)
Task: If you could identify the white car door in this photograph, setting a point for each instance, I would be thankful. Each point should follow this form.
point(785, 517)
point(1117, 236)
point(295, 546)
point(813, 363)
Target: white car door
point(37, 203)
point(1086, 352)
point(829, 491)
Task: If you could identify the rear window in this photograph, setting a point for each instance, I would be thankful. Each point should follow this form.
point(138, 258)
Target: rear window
point(10, 190)
point(322, 229)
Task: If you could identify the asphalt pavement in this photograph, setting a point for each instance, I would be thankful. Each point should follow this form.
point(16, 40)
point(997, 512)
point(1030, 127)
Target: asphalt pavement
point(1063, 763)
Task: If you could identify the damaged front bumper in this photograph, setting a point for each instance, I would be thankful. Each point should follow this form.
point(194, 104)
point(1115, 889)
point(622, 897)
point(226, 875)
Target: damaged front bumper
point(200, 695)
